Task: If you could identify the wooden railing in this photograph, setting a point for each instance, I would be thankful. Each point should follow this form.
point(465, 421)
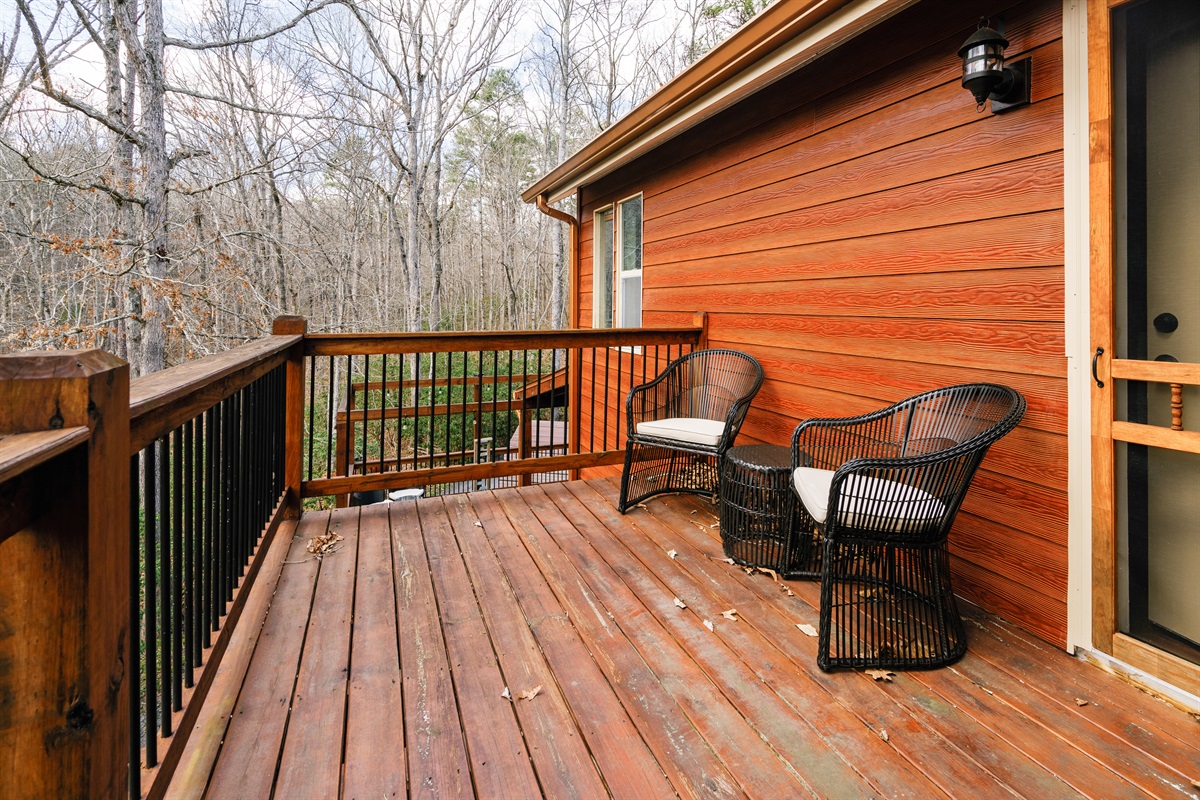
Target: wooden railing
point(134, 516)
point(392, 411)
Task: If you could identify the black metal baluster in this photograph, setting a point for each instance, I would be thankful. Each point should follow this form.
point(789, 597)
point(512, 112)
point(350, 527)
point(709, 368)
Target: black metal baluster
point(196, 563)
point(383, 384)
point(607, 373)
point(229, 501)
point(366, 408)
point(177, 571)
point(134, 657)
point(164, 582)
point(211, 455)
point(537, 414)
point(150, 615)
point(329, 412)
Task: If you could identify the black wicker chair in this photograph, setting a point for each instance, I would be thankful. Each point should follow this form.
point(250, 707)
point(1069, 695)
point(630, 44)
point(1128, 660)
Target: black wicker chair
point(882, 491)
point(679, 425)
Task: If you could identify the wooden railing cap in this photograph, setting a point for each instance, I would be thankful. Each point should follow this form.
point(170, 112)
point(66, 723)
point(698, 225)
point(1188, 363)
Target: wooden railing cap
point(42, 391)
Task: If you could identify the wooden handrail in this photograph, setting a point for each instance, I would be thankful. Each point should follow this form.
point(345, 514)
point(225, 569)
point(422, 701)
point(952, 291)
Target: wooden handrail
point(163, 401)
point(340, 344)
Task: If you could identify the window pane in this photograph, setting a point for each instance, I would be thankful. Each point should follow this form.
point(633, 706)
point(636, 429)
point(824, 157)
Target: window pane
point(631, 234)
point(602, 285)
point(631, 300)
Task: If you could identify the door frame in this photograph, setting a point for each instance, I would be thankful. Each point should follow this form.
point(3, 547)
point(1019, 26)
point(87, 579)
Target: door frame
point(1104, 431)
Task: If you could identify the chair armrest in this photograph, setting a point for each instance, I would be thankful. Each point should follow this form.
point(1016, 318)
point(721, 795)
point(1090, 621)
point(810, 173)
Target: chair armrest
point(650, 401)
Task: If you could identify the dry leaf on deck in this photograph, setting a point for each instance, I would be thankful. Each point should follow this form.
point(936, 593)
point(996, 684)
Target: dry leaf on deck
point(478, 524)
point(325, 543)
point(506, 694)
point(774, 575)
point(730, 614)
point(672, 553)
point(881, 674)
point(532, 693)
point(884, 735)
point(680, 603)
point(728, 560)
point(1079, 701)
point(806, 628)
point(708, 624)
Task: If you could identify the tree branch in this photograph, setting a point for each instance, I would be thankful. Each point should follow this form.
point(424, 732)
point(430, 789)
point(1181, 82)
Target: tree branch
point(170, 41)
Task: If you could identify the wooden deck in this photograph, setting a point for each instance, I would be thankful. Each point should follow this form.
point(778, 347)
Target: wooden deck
point(380, 672)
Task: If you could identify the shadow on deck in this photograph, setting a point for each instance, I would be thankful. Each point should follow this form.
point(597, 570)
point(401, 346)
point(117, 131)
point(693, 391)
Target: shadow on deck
point(380, 670)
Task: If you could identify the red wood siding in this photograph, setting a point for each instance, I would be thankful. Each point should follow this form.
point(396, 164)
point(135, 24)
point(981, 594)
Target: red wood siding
point(865, 234)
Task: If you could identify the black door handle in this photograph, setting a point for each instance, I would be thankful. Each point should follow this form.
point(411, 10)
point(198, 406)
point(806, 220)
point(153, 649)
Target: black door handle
point(1095, 376)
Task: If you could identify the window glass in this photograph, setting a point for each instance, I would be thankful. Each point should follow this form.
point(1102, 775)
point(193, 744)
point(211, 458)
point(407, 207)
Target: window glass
point(631, 234)
point(631, 300)
point(602, 285)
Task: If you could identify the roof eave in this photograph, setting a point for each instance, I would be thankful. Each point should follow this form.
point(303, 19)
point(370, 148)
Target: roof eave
point(681, 103)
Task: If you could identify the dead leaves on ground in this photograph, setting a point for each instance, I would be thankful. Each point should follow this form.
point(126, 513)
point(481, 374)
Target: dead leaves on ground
point(324, 544)
point(730, 614)
point(807, 629)
point(679, 603)
point(881, 674)
point(526, 695)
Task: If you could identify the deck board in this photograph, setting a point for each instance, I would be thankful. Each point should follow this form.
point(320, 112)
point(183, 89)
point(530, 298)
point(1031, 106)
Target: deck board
point(379, 671)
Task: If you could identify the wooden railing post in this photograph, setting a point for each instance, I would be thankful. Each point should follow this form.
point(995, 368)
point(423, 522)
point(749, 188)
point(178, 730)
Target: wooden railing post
point(294, 410)
point(65, 585)
point(700, 320)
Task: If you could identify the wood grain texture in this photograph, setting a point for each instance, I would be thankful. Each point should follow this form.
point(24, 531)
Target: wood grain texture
point(551, 586)
point(859, 227)
point(374, 697)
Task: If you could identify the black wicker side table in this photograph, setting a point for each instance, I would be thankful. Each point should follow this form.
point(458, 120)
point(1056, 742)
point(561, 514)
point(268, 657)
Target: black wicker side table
point(761, 525)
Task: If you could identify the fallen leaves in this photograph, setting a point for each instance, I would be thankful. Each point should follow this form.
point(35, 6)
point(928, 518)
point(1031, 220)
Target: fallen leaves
point(671, 554)
point(679, 603)
point(506, 694)
point(883, 734)
point(526, 695)
point(730, 614)
point(1079, 701)
point(708, 624)
point(324, 544)
point(478, 524)
point(806, 628)
point(881, 674)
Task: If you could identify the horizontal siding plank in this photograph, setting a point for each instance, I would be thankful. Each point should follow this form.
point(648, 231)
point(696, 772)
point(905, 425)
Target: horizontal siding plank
point(1046, 617)
point(883, 382)
point(796, 178)
point(1031, 240)
point(1029, 295)
point(1019, 187)
point(834, 91)
point(1034, 347)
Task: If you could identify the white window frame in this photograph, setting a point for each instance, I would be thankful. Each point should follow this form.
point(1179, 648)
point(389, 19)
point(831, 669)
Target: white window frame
point(600, 250)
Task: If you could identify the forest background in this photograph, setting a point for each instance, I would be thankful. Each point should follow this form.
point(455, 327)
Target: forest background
point(173, 176)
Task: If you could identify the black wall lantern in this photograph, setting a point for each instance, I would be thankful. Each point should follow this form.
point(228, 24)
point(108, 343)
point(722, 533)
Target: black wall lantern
point(985, 75)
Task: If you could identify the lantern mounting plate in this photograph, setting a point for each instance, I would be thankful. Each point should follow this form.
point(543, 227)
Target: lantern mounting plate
point(1015, 91)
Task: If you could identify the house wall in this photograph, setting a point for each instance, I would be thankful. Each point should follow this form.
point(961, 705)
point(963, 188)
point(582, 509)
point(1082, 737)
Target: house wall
point(866, 235)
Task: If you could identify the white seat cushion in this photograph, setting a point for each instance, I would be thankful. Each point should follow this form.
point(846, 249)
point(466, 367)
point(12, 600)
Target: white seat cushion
point(866, 502)
point(684, 429)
